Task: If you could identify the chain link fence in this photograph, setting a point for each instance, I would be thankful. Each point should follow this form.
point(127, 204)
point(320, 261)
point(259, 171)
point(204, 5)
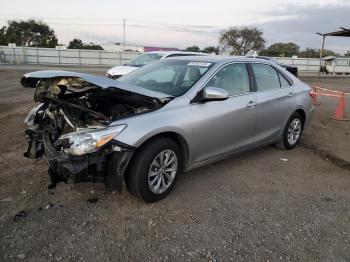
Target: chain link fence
point(32, 55)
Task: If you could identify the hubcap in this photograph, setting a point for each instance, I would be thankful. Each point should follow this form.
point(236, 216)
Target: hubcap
point(162, 171)
point(294, 131)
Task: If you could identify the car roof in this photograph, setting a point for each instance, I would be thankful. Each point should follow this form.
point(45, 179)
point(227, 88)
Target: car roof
point(219, 59)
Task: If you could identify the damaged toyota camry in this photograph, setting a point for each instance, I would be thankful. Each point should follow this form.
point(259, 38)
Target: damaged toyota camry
point(161, 120)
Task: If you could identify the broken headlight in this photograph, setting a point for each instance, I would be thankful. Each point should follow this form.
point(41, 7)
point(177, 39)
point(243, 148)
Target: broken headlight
point(29, 120)
point(88, 141)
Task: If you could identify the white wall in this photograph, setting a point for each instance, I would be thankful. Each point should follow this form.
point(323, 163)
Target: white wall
point(32, 55)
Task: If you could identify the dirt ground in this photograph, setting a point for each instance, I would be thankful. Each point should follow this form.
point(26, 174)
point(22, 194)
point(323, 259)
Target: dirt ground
point(265, 205)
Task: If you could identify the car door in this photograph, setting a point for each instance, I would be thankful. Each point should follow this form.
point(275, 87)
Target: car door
point(222, 127)
point(274, 102)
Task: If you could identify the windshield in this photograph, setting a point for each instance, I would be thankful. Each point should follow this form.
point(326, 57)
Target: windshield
point(144, 59)
point(172, 77)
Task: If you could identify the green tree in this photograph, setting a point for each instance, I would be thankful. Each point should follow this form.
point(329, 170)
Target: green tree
point(309, 53)
point(193, 49)
point(347, 53)
point(78, 44)
point(315, 53)
point(242, 39)
point(211, 50)
point(30, 33)
point(3, 40)
point(281, 49)
point(75, 44)
point(92, 46)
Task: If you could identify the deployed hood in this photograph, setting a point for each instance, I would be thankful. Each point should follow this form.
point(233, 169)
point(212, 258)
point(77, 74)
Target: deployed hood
point(84, 100)
point(121, 70)
point(31, 80)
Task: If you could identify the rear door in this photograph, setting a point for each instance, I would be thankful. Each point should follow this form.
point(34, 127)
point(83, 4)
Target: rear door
point(222, 127)
point(274, 102)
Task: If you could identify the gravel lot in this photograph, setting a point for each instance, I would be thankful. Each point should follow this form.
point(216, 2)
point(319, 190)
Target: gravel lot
point(265, 205)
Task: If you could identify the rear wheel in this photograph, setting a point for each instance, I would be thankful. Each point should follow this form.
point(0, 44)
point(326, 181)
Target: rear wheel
point(154, 170)
point(292, 132)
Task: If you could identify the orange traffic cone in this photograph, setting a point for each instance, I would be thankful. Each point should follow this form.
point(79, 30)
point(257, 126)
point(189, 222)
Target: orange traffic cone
point(314, 96)
point(340, 111)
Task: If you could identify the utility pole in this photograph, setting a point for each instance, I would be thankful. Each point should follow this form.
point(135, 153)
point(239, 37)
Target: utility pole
point(124, 34)
point(321, 52)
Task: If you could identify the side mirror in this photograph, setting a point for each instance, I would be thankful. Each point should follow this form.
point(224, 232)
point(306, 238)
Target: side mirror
point(211, 93)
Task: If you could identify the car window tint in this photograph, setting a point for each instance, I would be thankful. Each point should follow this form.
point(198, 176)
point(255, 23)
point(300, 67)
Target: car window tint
point(283, 81)
point(233, 78)
point(266, 77)
point(160, 75)
point(169, 76)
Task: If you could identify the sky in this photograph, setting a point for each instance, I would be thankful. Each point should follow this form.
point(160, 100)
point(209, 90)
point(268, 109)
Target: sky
point(183, 23)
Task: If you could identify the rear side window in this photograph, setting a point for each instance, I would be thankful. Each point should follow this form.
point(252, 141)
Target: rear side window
point(266, 77)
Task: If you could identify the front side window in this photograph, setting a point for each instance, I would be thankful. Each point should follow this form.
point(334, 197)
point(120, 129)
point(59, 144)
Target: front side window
point(233, 78)
point(172, 77)
point(266, 77)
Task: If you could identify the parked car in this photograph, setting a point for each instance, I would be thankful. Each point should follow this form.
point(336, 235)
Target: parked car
point(290, 68)
point(144, 59)
point(166, 118)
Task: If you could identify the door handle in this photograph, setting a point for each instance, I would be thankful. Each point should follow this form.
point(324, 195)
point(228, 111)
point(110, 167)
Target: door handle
point(251, 104)
point(290, 94)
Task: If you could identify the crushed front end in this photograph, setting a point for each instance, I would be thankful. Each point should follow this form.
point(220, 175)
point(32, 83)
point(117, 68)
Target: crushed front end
point(73, 127)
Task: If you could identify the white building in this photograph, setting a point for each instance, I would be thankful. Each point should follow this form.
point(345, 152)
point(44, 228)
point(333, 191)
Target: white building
point(337, 65)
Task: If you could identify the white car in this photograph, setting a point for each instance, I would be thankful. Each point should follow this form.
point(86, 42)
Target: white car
point(144, 59)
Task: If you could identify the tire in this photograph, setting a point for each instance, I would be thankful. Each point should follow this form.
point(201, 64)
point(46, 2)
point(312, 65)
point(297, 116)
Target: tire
point(143, 170)
point(286, 142)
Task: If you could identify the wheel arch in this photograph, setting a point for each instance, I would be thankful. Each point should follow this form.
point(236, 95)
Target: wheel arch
point(302, 113)
point(178, 138)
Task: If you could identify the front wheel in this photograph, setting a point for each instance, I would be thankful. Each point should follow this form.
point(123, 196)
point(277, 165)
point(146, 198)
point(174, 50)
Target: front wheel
point(154, 170)
point(292, 132)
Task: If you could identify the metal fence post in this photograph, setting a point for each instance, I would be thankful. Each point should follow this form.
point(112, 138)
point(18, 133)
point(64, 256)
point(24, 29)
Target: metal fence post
point(37, 55)
point(99, 54)
point(14, 55)
point(120, 58)
point(79, 57)
point(59, 56)
point(23, 55)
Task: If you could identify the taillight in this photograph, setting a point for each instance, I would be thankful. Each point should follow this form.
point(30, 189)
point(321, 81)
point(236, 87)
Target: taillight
point(312, 94)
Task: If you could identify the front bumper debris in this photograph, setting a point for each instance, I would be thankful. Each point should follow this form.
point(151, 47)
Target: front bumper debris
point(107, 165)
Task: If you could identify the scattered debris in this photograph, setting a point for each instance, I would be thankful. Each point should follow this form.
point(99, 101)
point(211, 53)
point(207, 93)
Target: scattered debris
point(21, 256)
point(284, 159)
point(92, 200)
point(7, 199)
point(21, 213)
point(24, 192)
point(327, 199)
point(49, 205)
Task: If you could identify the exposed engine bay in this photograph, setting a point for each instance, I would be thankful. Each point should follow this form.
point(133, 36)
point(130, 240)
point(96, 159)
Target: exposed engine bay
point(73, 125)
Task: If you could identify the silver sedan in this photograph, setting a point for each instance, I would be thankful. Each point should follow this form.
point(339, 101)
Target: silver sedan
point(161, 120)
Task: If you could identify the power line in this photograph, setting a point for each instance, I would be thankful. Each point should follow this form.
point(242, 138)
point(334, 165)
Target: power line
point(111, 19)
